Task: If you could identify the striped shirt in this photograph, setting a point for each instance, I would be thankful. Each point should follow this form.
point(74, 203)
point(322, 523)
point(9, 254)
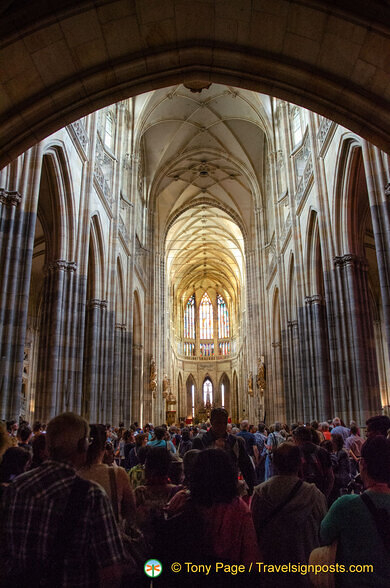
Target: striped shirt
point(31, 511)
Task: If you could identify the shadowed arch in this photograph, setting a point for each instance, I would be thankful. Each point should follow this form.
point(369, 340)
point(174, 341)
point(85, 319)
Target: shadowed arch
point(288, 50)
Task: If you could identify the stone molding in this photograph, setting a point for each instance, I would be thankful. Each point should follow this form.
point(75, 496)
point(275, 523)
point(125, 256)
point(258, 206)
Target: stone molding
point(61, 265)
point(387, 190)
point(314, 299)
point(350, 259)
point(96, 303)
point(10, 197)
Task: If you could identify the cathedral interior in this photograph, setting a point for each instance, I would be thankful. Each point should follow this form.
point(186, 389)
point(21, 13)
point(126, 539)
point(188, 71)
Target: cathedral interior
point(194, 216)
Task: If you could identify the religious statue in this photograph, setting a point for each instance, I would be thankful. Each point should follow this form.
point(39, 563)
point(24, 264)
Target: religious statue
point(171, 398)
point(153, 378)
point(261, 376)
point(250, 384)
point(166, 386)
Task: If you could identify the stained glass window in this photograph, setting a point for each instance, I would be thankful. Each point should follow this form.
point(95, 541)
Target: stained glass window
point(207, 349)
point(207, 392)
point(206, 317)
point(189, 319)
point(223, 319)
point(189, 349)
point(224, 348)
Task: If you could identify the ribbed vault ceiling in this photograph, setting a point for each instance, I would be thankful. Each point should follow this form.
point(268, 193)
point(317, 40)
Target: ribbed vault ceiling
point(204, 161)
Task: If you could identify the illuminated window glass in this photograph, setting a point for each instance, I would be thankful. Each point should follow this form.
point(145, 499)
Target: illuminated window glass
point(109, 131)
point(224, 348)
point(189, 349)
point(189, 318)
point(207, 349)
point(223, 318)
point(206, 317)
point(296, 126)
point(207, 392)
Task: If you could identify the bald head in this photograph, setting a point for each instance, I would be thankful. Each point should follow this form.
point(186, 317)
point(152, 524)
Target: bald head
point(67, 437)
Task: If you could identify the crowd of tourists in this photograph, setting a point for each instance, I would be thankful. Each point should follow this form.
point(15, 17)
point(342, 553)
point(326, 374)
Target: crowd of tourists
point(87, 505)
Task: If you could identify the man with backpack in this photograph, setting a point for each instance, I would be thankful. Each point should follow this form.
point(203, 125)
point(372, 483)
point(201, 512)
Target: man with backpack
point(316, 466)
point(274, 439)
point(217, 436)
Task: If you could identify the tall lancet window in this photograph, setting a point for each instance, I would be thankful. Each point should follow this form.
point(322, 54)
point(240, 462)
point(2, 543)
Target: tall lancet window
point(223, 319)
point(206, 317)
point(189, 318)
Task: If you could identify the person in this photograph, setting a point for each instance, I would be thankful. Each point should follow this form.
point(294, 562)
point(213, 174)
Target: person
point(12, 428)
point(318, 432)
point(316, 466)
point(351, 523)
point(39, 450)
point(378, 425)
point(161, 439)
point(152, 497)
point(185, 443)
point(54, 526)
point(214, 526)
point(177, 503)
point(353, 445)
point(15, 461)
point(324, 428)
point(24, 436)
point(250, 441)
point(129, 444)
point(95, 470)
point(341, 467)
point(261, 439)
point(132, 460)
point(218, 437)
point(287, 502)
point(137, 473)
point(5, 440)
point(274, 439)
point(339, 429)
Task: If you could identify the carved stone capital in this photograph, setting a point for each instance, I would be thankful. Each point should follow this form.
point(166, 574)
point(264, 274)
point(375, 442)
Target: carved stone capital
point(276, 344)
point(96, 303)
point(61, 265)
point(292, 324)
point(350, 259)
point(120, 326)
point(10, 197)
point(315, 299)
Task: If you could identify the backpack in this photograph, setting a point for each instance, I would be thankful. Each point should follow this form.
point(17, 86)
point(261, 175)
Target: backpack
point(312, 470)
point(276, 441)
point(137, 476)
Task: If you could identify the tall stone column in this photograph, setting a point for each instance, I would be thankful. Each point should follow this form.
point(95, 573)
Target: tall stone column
point(54, 377)
point(379, 197)
point(93, 388)
point(119, 381)
point(361, 388)
point(294, 397)
point(17, 229)
point(320, 361)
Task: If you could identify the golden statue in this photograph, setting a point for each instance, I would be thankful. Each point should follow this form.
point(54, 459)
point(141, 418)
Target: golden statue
point(250, 384)
point(153, 378)
point(261, 377)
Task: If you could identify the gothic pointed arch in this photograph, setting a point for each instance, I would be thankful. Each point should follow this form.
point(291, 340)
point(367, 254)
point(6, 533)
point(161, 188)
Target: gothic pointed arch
point(223, 398)
point(191, 395)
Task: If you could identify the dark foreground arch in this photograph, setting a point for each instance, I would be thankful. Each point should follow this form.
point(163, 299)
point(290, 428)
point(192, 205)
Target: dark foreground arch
point(62, 60)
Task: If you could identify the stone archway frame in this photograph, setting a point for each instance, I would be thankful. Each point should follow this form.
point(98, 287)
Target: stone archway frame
point(60, 63)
